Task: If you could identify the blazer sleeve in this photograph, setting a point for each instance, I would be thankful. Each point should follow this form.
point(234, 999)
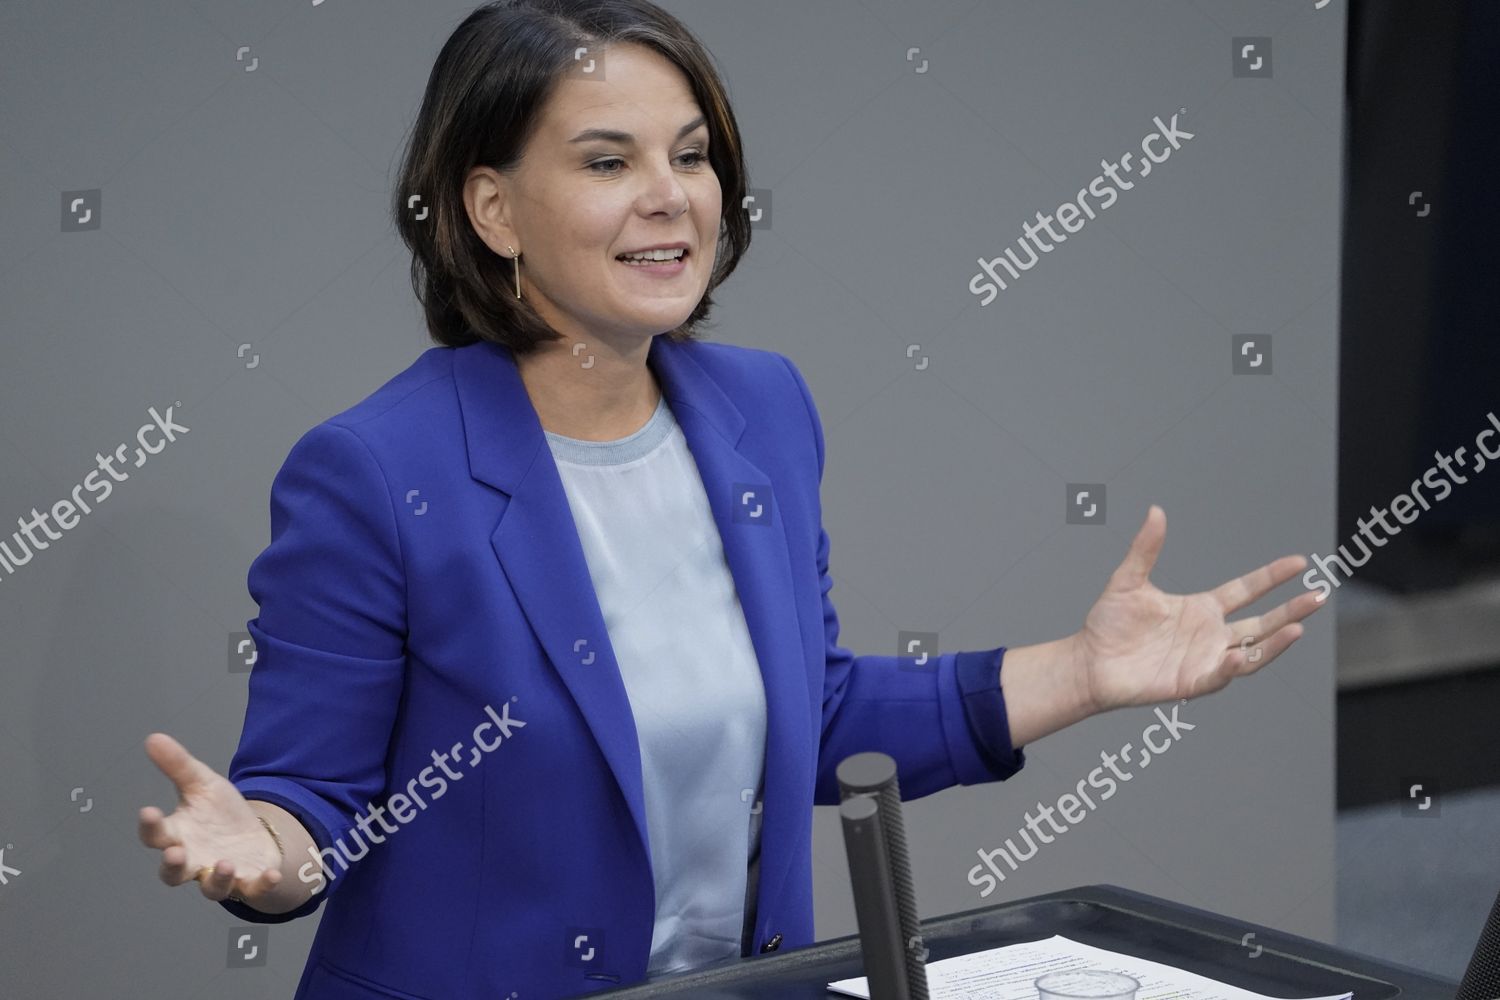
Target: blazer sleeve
point(943, 722)
point(330, 647)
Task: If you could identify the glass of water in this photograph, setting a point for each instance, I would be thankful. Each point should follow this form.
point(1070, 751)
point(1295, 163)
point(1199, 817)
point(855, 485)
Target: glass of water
point(1086, 984)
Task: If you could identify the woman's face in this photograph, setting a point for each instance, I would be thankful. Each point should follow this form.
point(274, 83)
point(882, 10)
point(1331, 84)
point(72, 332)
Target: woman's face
point(576, 202)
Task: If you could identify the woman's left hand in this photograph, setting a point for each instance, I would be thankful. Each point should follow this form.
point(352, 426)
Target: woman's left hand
point(1140, 645)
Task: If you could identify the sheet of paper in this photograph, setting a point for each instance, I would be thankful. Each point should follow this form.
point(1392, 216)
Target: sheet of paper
point(1010, 973)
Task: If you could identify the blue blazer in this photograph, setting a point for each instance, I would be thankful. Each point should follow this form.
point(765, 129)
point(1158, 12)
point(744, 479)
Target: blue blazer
point(435, 698)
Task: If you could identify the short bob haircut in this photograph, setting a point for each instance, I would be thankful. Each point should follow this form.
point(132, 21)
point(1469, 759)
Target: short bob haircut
point(483, 101)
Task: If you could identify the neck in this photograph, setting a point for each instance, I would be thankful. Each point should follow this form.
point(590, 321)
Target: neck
point(611, 398)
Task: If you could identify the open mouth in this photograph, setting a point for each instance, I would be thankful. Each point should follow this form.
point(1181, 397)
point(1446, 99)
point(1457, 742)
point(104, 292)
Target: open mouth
point(647, 264)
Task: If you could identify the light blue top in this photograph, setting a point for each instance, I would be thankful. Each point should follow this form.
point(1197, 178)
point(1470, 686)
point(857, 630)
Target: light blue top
point(691, 674)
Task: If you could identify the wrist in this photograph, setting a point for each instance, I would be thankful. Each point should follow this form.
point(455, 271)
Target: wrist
point(1044, 689)
point(275, 838)
point(296, 845)
point(264, 815)
point(1077, 658)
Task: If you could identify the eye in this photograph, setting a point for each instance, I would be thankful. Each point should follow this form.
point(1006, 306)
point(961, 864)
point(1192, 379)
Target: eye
point(694, 158)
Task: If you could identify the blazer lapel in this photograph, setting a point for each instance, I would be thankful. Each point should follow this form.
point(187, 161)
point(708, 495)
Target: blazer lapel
point(538, 547)
point(755, 547)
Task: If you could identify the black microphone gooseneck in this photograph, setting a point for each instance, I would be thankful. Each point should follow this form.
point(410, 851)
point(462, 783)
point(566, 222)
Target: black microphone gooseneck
point(1482, 978)
point(884, 902)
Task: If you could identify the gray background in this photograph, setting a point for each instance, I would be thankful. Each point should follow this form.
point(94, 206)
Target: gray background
point(249, 207)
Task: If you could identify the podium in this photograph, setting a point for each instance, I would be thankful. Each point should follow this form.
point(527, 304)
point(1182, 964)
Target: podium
point(1106, 916)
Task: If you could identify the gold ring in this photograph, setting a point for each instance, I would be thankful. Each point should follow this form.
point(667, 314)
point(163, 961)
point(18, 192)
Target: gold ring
point(198, 877)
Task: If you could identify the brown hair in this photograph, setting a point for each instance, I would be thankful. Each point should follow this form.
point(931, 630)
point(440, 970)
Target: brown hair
point(483, 101)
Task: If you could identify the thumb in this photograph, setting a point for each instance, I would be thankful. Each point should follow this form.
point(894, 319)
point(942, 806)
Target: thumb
point(1144, 548)
point(186, 771)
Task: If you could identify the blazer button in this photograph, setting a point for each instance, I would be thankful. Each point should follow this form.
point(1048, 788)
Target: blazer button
point(772, 944)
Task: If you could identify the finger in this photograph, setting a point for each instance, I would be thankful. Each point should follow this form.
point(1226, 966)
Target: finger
point(1272, 647)
point(1144, 548)
point(1235, 594)
point(173, 870)
point(216, 884)
point(259, 886)
point(1294, 610)
point(152, 828)
point(1230, 664)
point(185, 770)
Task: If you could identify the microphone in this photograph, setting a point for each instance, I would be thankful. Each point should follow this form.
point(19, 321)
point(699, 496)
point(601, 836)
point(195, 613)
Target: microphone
point(1482, 978)
point(885, 904)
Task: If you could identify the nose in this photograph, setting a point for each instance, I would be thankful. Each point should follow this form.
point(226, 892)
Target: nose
point(664, 192)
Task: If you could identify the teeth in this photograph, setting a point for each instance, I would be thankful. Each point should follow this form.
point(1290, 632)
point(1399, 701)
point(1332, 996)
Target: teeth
point(653, 255)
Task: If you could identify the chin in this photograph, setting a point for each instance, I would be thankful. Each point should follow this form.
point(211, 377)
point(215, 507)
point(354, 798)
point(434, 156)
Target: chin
point(670, 315)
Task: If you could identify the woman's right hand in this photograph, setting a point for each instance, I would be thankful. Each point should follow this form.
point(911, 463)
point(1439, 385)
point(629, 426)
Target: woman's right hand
point(212, 825)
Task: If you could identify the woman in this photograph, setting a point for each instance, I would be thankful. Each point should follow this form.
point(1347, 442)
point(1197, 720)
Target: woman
point(548, 678)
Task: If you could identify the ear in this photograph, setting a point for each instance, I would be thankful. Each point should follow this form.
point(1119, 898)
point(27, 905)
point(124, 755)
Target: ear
point(487, 197)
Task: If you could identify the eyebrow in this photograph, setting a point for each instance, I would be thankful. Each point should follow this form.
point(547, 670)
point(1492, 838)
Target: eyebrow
point(612, 135)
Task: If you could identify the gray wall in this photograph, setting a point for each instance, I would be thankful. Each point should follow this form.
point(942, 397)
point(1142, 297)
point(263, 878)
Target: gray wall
point(248, 207)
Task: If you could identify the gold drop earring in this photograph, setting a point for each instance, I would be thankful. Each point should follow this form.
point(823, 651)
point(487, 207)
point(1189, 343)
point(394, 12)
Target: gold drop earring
point(516, 260)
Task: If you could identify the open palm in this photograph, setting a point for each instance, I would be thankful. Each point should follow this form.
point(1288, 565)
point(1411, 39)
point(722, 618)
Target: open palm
point(1141, 645)
point(212, 825)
